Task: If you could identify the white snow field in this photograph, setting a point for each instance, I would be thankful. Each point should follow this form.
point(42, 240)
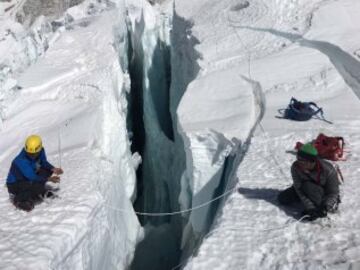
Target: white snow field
point(212, 76)
point(256, 55)
point(74, 97)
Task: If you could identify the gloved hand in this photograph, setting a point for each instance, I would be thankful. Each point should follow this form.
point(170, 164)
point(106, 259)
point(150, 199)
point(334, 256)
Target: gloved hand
point(314, 213)
point(57, 171)
point(331, 208)
point(322, 211)
point(54, 179)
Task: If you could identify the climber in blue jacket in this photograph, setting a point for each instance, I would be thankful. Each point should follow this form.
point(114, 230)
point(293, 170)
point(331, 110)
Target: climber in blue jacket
point(28, 174)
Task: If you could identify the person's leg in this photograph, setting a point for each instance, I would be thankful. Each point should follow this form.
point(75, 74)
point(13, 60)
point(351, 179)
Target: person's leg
point(27, 191)
point(48, 193)
point(22, 195)
point(20, 190)
point(38, 190)
point(288, 196)
point(314, 192)
point(12, 189)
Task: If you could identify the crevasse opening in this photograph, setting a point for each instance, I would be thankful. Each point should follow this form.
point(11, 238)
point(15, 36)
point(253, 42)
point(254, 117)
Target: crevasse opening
point(162, 62)
point(151, 124)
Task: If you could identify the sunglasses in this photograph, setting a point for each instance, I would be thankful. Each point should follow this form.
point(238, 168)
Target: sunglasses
point(33, 155)
point(305, 161)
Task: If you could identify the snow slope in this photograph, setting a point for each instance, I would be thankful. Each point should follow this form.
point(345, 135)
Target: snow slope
point(234, 64)
point(74, 97)
point(282, 49)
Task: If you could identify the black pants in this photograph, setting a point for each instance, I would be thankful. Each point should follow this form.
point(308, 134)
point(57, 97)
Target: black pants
point(311, 190)
point(24, 190)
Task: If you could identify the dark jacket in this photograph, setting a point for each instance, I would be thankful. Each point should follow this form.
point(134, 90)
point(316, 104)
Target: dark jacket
point(23, 168)
point(323, 175)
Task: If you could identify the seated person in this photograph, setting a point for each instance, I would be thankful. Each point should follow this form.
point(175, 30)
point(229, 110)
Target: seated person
point(28, 174)
point(315, 184)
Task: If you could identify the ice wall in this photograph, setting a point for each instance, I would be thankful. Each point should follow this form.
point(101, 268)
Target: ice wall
point(117, 184)
point(155, 137)
point(180, 169)
point(113, 229)
point(162, 66)
point(150, 66)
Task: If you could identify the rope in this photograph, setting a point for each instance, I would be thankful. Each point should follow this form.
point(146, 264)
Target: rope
point(59, 145)
point(322, 118)
point(250, 77)
point(172, 213)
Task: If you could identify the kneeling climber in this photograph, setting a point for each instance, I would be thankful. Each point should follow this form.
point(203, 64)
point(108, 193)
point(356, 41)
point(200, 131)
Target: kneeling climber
point(29, 173)
point(315, 184)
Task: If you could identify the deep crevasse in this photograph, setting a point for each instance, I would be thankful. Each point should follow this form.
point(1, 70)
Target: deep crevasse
point(169, 165)
point(110, 229)
point(112, 240)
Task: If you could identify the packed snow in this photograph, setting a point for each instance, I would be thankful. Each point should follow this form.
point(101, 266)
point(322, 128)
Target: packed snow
point(216, 145)
point(283, 49)
point(74, 97)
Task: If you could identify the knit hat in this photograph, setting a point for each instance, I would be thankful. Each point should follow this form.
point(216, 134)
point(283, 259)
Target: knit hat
point(308, 152)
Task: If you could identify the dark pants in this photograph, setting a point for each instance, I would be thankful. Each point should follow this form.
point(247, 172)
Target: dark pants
point(24, 190)
point(311, 190)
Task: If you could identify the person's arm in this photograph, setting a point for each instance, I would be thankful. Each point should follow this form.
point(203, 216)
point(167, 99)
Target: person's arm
point(308, 204)
point(44, 163)
point(331, 188)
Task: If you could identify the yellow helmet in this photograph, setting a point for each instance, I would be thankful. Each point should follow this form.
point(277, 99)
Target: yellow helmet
point(33, 144)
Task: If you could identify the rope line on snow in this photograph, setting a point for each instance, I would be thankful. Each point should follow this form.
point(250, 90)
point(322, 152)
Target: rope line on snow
point(59, 145)
point(175, 212)
point(250, 77)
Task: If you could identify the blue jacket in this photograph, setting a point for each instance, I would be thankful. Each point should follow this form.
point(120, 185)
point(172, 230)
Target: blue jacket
point(23, 168)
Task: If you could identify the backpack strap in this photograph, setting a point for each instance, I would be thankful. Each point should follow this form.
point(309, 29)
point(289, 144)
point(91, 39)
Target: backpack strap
point(337, 168)
point(318, 109)
point(296, 105)
point(321, 117)
point(282, 114)
point(341, 145)
point(341, 139)
point(293, 100)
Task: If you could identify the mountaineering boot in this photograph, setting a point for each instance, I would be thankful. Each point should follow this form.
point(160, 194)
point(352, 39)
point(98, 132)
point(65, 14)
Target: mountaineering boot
point(52, 188)
point(25, 205)
point(50, 195)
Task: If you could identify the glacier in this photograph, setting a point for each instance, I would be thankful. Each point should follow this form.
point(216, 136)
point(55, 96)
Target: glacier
point(153, 119)
point(75, 97)
point(181, 168)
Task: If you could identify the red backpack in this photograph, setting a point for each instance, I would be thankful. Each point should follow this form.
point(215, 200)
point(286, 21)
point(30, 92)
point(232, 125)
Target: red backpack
point(331, 148)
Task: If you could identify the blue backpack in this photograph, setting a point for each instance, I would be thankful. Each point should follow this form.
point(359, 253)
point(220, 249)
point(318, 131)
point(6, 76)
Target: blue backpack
point(302, 111)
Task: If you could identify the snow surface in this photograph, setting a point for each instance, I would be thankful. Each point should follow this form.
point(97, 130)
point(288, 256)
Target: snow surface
point(244, 60)
point(256, 55)
point(74, 97)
